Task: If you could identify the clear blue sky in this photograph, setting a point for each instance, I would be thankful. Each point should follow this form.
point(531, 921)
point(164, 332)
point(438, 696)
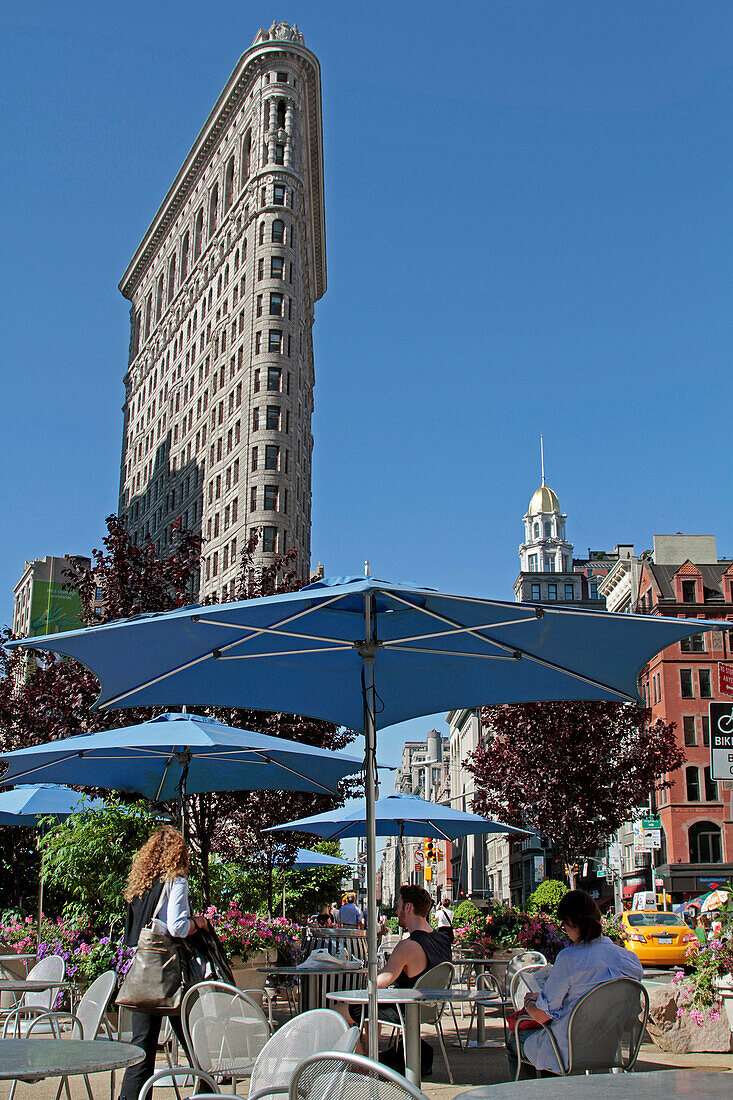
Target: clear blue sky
point(529, 224)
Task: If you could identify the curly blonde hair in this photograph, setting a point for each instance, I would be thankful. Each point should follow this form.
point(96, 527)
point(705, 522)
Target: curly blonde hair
point(163, 855)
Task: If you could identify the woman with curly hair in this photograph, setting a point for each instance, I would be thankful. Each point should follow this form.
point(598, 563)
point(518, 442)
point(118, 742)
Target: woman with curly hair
point(159, 871)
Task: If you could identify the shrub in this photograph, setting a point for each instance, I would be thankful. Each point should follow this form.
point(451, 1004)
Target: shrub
point(547, 897)
point(467, 913)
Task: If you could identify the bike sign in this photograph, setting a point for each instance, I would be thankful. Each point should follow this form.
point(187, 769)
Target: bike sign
point(721, 740)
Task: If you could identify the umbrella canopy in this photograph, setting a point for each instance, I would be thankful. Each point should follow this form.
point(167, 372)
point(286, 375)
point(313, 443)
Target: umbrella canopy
point(152, 758)
point(305, 859)
point(27, 805)
point(303, 652)
point(369, 653)
point(398, 815)
point(714, 900)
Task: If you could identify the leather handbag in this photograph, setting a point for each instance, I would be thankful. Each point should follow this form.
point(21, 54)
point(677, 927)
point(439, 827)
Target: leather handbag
point(155, 981)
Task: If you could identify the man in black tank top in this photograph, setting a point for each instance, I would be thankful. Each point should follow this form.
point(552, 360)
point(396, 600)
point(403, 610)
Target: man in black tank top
point(416, 953)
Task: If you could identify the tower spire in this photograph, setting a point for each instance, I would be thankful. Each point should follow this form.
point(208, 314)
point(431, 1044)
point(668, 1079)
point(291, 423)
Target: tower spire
point(542, 457)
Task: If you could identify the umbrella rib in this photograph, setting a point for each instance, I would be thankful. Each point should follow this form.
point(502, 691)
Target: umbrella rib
point(297, 774)
point(464, 630)
point(287, 653)
point(448, 652)
point(162, 781)
point(449, 622)
point(256, 630)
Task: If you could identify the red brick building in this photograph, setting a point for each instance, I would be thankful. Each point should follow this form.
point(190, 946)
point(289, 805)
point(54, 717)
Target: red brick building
point(678, 685)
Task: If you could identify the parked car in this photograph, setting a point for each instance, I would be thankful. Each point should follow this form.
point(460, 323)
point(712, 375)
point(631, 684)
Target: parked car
point(657, 938)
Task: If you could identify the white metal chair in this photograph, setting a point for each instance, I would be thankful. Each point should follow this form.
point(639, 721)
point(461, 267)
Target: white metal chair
point(318, 1030)
point(18, 1019)
point(162, 1077)
point(439, 977)
point(340, 1076)
point(225, 1030)
point(612, 1014)
point(89, 1019)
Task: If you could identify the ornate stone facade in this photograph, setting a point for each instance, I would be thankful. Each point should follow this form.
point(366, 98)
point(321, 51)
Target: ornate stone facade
point(219, 387)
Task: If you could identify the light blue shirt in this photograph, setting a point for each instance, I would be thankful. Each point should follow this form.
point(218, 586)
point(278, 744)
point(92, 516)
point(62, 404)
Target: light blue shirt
point(350, 915)
point(578, 969)
point(174, 913)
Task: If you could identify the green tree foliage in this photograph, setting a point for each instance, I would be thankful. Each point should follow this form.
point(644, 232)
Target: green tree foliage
point(547, 896)
point(87, 858)
point(467, 913)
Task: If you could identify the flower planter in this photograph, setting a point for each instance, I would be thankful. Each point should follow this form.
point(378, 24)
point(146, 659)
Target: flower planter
point(248, 976)
point(725, 989)
point(499, 961)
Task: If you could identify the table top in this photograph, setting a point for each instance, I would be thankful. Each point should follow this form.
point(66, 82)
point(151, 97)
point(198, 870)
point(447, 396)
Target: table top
point(35, 1059)
point(470, 959)
point(408, 996)
point(622, 1086)
point(303, 972)
point(31, 985)
point(12, 956)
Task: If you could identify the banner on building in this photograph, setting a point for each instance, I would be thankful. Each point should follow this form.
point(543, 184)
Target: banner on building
point(54, 608)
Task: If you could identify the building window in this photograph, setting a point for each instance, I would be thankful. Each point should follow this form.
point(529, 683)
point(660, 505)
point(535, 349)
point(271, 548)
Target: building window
point(213, 209)
point(705, 842)
point(278, 195)
point(533, 563)
point(272, 457)
point(569, 592)
point(276, 305)
point(594, 590)
point(273, 418)
point(686, 683)
point(253, 499)
point(270, 498)
point(274, 379)
point(706, 689)
point(692, 784)
point(277, 265)
point(549, 565)
point(275, 340)
point(688, 592)
point(278, 231)
point(260, 269)
point(258, 343)
point(695, 644)
point(706, 730)
point(258, 306)
point(279, 154)
point(552, 591)
point(256, 381)
point(548, 530)
point(535, 592)
point(269, 539)
point(228, 184)
point(255, 420)
point(688, 725)
point(246, 154)
point(536, 530)
point(711, 787)
point(198, 233)
point(184, 256)
point(282, 78)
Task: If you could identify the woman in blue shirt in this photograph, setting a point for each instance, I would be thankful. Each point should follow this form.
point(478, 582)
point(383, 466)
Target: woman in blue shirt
point(590, 959)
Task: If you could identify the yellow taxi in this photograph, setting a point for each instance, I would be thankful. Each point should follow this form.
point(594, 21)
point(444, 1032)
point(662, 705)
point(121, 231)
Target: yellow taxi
point(657, 938)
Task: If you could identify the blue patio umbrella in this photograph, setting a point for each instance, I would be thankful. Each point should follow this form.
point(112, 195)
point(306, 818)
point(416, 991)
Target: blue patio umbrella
point(28, 805)
point(304, 859)
point(398, 815)
point(369, 653)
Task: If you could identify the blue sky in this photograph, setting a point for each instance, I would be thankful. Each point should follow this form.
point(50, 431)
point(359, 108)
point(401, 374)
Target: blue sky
point(528, 230)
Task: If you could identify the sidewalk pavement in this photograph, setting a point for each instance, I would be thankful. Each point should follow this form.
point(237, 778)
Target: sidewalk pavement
point(470, 1068)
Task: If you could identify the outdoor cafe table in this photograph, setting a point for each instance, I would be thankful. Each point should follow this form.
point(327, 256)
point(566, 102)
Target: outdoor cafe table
point(479, 965)
point(410, 1000)
point(307, 989)
point(617, 1086)
point(36, 1059)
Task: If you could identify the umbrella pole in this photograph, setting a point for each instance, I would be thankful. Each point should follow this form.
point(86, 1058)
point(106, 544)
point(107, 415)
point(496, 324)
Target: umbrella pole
point(370, 738)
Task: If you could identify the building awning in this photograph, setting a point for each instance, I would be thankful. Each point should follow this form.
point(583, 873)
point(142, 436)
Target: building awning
point(630, 890)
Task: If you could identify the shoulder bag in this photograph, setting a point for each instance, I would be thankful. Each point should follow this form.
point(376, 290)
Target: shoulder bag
point(155, 981)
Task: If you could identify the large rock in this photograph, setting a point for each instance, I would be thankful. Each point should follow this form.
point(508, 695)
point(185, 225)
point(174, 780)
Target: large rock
point(680, 1034)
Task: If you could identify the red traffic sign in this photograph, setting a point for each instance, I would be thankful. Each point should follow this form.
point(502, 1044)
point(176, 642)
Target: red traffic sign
point(725, 677)
point(419, 855)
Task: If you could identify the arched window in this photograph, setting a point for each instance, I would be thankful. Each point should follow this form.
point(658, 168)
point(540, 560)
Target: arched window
point(172, 277)
point(159, 298)
point(228, 184)
point(548, 530)
point(184, 256)
point(705, 844)
point(692, 783)
point(278, 231)
point(711, 787)
point(536, 530)
point(148, 314)
point(246, 154)
point(198, 234)
point(213, 209)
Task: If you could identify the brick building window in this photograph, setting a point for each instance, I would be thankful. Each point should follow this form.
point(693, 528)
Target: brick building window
point(688, 725)
point(692, 784)
point(686, 683)
point(711, 787)
point(705, 730)
point(269, 539)
point(688, 592)
point(695, 644)
point(705, 844)
point(706, 688)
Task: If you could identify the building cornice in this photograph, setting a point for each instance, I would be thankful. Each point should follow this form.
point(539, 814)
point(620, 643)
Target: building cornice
point(220, 118)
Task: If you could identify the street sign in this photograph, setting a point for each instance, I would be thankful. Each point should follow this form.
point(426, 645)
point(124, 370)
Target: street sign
point(646, 839)
point(651, 821)
point(721, 740)
point(725, 678)
point(419, 855)
point(659, 883)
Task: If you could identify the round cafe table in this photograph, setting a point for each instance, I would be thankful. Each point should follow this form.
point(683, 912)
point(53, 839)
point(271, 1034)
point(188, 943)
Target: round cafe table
point(409, 1001)
point(309, 991)
point(479, 965)
point(36, 1059)
point(616, 1086)
point(32, 985)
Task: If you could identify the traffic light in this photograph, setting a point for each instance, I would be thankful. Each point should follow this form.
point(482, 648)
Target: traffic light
point(428, 874)
point(430, 853)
